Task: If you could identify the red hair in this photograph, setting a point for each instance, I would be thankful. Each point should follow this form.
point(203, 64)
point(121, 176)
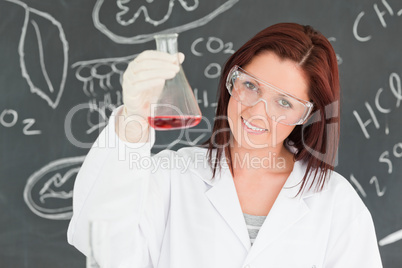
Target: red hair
point(317, 140)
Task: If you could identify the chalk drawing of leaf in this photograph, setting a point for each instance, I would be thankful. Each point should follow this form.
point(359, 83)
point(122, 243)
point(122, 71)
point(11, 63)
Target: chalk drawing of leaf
point(43, 64)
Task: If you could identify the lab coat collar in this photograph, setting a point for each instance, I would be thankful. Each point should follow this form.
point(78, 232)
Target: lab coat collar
point(286, 211)
point(223, 197)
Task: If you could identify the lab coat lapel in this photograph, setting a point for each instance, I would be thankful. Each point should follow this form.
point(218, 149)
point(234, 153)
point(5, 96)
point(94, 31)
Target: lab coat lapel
point(223, 197)
point(286, 212)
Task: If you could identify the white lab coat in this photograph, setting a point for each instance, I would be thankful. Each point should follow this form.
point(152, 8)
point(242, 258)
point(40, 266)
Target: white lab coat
point(174, 216)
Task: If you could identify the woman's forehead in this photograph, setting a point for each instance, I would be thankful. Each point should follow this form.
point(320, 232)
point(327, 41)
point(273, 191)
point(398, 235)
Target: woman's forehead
point(284, 74)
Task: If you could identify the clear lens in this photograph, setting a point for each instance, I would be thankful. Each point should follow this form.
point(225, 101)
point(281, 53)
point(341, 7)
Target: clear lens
point(281, 106)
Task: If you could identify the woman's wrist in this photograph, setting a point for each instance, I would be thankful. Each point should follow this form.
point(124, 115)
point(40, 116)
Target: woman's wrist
point(131, 128)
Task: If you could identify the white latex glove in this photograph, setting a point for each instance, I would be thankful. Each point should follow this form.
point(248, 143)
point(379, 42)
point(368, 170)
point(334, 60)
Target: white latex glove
point(143, 83)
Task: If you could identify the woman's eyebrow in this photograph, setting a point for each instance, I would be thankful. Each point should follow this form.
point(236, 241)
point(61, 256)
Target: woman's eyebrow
point(286, 96)
point(255, 79)
point(280, 91)
point(266, 84)
point(263, 81)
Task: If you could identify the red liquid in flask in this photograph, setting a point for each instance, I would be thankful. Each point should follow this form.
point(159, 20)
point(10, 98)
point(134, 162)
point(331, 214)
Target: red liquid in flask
point(168, 122)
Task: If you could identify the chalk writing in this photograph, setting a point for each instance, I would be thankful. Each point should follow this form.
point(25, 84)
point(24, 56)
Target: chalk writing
point(391, 238)
point(213, 45)
point(9, 118)
point(396, 90)
point(338, 57)
point(374, 180)
point(388, 157)
point(385, 156)
point(213, 70)
point(11, 121)
point(204, 100)
point(382, 14)
point(29, 122)
point(212, 41)
point(380, 192)
point(359, 187)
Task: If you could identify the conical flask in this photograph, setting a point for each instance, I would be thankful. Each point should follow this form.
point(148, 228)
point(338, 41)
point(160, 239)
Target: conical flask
point(176, 107)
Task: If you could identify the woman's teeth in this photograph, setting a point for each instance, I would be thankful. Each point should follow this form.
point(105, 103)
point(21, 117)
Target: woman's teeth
point(252, 127)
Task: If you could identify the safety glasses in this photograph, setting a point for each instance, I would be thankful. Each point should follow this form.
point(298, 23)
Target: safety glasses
point(281, 106)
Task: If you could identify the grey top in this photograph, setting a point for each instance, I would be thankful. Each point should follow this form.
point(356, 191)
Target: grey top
point(253, 224)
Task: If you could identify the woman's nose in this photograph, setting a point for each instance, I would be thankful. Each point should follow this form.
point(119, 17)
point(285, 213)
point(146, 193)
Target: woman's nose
point(261, 108)
point(258, 114)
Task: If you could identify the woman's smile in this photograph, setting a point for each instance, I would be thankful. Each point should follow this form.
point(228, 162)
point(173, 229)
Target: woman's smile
point(251, 128)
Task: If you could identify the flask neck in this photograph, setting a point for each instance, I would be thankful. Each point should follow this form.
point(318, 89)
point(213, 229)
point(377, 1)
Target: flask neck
point(167, 43)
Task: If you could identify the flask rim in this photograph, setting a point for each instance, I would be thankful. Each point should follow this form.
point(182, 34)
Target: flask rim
point(166, 35)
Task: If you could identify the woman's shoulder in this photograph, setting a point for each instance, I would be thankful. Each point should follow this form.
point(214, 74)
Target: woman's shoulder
point(342, 196)
point(334, 185)
point(337, 193)
point(339, 185)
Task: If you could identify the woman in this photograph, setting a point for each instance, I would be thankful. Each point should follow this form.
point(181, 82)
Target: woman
point(268, 169)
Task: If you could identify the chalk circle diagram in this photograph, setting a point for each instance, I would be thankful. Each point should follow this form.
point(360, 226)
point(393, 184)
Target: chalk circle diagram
point(45, 76)
point(49, 191)
point(135, 22)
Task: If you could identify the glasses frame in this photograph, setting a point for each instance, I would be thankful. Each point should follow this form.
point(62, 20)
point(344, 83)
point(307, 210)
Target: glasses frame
point(309, 105)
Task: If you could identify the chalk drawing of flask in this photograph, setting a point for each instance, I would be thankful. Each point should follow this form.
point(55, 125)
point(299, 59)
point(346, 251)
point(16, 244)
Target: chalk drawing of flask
point(176, 107)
